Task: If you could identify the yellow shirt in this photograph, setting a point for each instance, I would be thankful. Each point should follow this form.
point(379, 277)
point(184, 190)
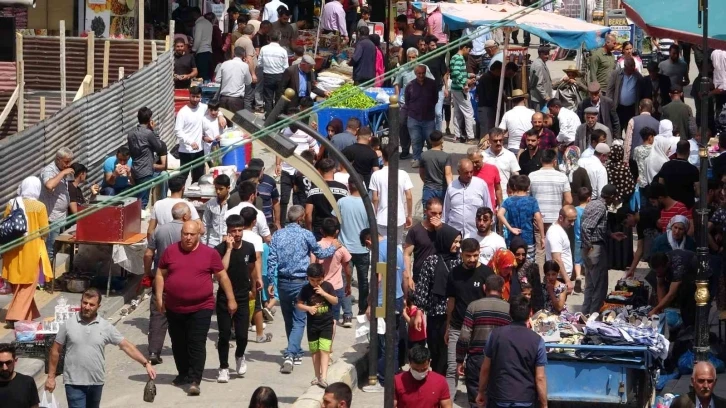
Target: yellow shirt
point(20, 264)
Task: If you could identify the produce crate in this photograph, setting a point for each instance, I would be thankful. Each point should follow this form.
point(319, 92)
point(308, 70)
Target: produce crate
point(41, 349)
point(372, 117)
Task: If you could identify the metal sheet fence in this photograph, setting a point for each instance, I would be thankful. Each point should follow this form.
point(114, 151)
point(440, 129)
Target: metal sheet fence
point(93, 127)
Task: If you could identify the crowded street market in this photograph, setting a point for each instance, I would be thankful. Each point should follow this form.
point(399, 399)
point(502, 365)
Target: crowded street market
point(410, 199)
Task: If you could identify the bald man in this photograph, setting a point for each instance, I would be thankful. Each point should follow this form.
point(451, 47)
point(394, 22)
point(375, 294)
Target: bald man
point(557, 243)
point(184, 277)
point(703, 381)
point(463, 198)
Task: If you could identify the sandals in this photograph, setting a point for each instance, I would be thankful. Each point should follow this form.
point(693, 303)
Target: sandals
point(265, 339)
point(322, 383)
point(315, 381)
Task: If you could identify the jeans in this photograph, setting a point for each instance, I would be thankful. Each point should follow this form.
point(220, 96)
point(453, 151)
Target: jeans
point(241, 320)
point(158, 326)
point(204, 65)
point(343, 303)
point(84, 396)
point(439, 110)
point(596, 278)
point(295, 319)
point(143, 195)
point(361, 263)
point(285, 190)
point(419, 131)
point(471, 376)
point(198, 171)
point(188, 333)
point(50, 243)
point(382, 344)
point(112, 191)
point(429, 193)
point(451, 377)
point(270, 93)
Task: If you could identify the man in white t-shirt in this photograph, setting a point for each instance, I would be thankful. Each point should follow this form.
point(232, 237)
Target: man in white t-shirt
point(379, 189)
point(557, 244)
point(247, 191)
point(161, 213)
point(189, 131)
point(505, 160)
point(489, 241)
point(517, 120)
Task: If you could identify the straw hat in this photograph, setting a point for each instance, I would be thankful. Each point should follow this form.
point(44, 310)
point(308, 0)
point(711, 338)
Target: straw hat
point(571, 68)
point(517, 94)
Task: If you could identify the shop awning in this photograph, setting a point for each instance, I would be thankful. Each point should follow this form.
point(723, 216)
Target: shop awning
point(566, 32)
point(678, 20)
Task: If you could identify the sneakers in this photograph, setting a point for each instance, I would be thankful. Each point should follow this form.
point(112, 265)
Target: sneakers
point(287, 366)
point(297, 360)
point(265, 339)
point(193, 390)
point(241, 366)
point(223, 376)
point(347, 322)
point(155, 359)
point(267, 315)
point(415, 164)
point(253, 328)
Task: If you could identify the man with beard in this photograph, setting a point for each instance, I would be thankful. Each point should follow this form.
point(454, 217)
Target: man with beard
point(602, 62)
point(464, 285)
point(489, 241)
point(420, 238)
point(607, 115)
point(463, 197)
point(584, 132)
point(547, 138)
point(84, 337)
point(487, 172)
point(185, 67)
point(16, 390)
point(419, 387)
point(189, 130)
point(288, 32)
point(530, 159)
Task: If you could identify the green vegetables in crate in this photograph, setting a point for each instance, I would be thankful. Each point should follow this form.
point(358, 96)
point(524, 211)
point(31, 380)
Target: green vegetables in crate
point(351, 97)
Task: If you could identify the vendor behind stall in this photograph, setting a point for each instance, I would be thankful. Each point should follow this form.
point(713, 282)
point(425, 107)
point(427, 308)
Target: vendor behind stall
point(675, 275)
point(185, 68)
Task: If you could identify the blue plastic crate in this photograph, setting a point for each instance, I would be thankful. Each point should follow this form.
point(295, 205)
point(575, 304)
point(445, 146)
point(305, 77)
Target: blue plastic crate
point(372, 117)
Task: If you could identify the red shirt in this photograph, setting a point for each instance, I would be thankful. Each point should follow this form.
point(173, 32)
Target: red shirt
point(421, 394)
point(490, 174)
point(678, 209)
point(188, 285)
point(413, 334)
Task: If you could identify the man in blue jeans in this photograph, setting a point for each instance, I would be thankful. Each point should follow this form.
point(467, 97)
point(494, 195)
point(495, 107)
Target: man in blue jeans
point(287, 264)
point(353, 211)
point(84, 337)
point(143, 143)
point(421, 96)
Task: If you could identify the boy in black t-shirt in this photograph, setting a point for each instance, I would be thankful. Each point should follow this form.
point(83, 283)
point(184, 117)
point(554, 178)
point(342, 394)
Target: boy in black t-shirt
point(317, 298)
point(239, 260)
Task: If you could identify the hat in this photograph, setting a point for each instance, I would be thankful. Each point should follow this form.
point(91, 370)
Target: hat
point(592, 110)
point(602, 148)
point(571, 68)
point(308, 59)
point(593, 87)
point(518, 93)
point(676, 89)
point(490, 43)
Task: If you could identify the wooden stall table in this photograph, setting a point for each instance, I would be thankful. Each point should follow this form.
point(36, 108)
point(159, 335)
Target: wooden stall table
point(70, 239)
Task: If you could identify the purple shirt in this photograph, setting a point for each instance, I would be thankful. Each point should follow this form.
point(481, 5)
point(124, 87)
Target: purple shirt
point(421, 99)
point(333, 18)
point(547, 140)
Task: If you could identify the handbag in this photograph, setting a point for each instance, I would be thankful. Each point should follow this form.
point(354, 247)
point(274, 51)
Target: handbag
point(13, 226)
point(150, 391)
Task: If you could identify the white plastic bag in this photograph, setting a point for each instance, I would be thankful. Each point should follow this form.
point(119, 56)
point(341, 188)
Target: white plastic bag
point(362, 329)
point(48, 403)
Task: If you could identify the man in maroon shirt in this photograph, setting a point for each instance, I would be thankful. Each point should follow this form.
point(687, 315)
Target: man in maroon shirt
point(419, 387)
point(185, 278)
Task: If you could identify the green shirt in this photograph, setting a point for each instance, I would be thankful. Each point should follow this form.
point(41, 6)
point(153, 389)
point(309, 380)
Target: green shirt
point(601, 65)
point(459, 76)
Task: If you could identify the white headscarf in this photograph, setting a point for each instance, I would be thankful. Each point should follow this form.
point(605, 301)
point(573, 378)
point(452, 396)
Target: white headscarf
point(657, 157)
point(677, 219)
point(665, 130)
point(29, 188)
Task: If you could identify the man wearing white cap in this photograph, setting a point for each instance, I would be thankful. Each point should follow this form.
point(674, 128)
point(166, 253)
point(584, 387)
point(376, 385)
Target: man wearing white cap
point(301, 79)
point(492, 49)
point(595, 167)
point(583, 135)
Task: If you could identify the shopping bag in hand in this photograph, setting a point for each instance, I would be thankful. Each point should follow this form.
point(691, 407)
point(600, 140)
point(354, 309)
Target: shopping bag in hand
point(150, 391)
point(46, 402)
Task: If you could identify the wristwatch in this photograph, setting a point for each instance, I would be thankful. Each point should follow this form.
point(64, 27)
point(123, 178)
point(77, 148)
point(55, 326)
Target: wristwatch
point(145, 363)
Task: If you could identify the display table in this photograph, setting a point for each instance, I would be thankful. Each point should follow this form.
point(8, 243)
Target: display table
point(119, 251)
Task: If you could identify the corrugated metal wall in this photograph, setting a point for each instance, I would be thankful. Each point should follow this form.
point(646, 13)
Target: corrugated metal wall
point(8, 81)
point(93, 126)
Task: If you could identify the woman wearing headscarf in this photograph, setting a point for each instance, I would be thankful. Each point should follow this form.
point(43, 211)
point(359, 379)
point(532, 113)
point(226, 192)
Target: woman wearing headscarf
point(430, 292)
point(675, 237)
point(22, 264)
point(335, 126)
point(577, 175)
point(620, 253)
point(665, 131)
point(380, 65)
point(659, 154)
point(504, 265)
point(619, 175)
point(527, 271)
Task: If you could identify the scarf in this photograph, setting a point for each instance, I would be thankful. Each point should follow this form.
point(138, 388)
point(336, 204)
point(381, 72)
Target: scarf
point(665, 131)
point(619, 174)
point(677, 219)
point(445, 237)
point(657, 157)
point(503, 259)
point(569, 161)
point(29, 188)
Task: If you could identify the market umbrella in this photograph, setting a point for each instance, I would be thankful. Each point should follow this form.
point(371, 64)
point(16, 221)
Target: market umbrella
point(678, 20)
point(564, 31)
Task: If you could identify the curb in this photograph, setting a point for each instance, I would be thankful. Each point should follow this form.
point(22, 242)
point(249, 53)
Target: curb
point(347, 370)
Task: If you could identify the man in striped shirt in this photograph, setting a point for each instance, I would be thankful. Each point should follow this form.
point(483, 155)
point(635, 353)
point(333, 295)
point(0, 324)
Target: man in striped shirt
point(482, 316)
point(461, 80)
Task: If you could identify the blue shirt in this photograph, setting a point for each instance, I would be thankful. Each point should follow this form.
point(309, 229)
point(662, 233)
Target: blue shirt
point(520, 214)
point(627, 90)
point(578, 220)
point(109, 165)
point(267, 190)
point(290, 250)
point(353, 212)
point(382, 257)
point(302, 88)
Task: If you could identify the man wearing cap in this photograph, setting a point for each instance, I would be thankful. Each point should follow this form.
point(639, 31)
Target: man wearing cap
point(602, 62)
point(517, 120)
point(678, 112)
point(585, 130)
point(540, 80)
point(301, 79)
point(625, 87)
point(607, 115)
point(595, 167)
point(492, 49)
point(571, 88)
point(569, 122)
point(657, 88)
point(595, 235)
